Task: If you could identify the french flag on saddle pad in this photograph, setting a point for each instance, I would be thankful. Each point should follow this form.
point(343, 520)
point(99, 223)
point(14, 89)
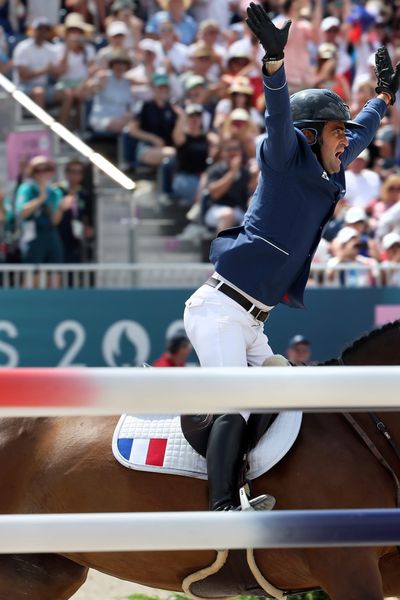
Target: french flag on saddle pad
point(143, 451)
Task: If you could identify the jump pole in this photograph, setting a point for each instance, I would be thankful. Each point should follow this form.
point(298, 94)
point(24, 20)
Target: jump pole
point(111, 532)
point(108, 391)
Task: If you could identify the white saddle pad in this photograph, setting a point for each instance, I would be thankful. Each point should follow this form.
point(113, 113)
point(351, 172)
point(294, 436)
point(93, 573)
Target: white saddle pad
point(156, 443)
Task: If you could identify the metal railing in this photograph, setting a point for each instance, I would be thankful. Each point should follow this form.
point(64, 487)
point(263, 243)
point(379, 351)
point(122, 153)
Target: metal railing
point(174, 275)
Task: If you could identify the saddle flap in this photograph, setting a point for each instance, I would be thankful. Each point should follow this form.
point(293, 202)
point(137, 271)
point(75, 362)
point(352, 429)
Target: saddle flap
point(196, 429)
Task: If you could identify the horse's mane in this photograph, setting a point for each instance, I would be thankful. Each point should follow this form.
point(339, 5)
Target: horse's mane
point(375, 333)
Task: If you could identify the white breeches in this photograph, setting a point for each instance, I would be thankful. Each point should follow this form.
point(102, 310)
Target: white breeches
point(222, 333)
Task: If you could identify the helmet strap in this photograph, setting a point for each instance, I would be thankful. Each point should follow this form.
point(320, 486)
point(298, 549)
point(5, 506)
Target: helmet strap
point(314, 139)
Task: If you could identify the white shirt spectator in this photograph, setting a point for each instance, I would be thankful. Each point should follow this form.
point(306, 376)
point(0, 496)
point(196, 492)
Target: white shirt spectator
point(77, 62)
point(389, 221)
point(178, 55)
point(362, 184)
point(28, 54)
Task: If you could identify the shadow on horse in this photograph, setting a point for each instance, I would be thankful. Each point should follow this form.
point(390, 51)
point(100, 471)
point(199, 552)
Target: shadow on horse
point(65, 465)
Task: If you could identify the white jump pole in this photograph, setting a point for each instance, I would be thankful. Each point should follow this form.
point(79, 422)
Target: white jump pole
point(111, 532)
point(102, 391)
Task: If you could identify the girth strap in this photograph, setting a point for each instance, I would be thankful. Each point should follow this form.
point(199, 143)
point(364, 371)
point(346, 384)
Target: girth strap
point(371, 446)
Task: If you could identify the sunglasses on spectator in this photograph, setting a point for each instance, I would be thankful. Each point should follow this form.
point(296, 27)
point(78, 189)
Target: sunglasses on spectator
point(394, 188)
point(76, 171)
point(46, 169)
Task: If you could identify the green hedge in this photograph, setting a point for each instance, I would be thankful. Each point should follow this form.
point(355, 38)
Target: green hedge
point(306, 596)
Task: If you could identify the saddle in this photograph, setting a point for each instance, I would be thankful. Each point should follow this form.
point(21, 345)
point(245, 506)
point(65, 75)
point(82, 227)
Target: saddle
point(196, 429)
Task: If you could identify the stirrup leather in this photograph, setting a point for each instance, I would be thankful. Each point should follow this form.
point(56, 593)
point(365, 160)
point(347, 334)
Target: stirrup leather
point(263, 502)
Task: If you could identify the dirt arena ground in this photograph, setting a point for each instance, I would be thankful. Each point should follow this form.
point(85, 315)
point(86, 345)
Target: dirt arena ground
point(102, 587)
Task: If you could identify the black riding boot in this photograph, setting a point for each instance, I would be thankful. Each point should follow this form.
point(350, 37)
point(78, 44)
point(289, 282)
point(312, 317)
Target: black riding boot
point(225, 450)
point(227, 444)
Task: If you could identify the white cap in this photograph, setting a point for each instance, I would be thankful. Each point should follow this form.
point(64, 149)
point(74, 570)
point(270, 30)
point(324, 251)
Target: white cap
point(150, 45)
point(117, 28)
point(346, 234)
point(390, 239)
point(355, 214)
point(364, 155)
point(329, 22)
point(239, 114)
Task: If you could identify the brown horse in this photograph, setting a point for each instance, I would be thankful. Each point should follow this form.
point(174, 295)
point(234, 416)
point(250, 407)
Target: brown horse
point(61, 465)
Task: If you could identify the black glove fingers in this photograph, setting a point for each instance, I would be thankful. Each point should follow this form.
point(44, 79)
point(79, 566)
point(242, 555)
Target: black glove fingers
point(251, 21)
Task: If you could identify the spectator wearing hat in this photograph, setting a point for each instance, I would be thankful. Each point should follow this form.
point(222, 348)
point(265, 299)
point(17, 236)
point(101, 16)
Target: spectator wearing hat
point(357, 218)
point(202, 58)
point(75, 57)
point(153, 127)
point(326, 75)
point(177, 352)
point(362, 184)
point(209, 33)
point(141, 75)
point(238, 59)
point(124, 10)
point(175, 12)
point(35, 61)
point(331, 28)
point(113, 101)
point(391, 259)
point(239, 126)
point(117, 32)
point(39, 210)
point(299, 350)
point(196, 92)
point(385, 143)
point(240, 95)
point(362, 271)
point(191, 143)
point(93, 11)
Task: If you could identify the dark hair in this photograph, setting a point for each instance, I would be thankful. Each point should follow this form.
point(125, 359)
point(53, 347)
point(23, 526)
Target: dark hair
point(73, 162)
point(176, 342)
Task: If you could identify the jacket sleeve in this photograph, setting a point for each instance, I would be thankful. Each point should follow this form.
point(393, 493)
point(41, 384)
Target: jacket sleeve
point(370, 116)
point(279, 145)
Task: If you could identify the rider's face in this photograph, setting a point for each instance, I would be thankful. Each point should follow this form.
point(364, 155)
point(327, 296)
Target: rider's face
point(334, 143)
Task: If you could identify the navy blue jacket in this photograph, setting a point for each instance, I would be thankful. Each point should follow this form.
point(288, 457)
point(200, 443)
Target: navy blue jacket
point(269, 257)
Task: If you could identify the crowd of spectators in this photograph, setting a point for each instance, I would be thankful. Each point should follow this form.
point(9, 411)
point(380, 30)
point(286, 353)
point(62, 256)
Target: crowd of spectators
point(180, 81)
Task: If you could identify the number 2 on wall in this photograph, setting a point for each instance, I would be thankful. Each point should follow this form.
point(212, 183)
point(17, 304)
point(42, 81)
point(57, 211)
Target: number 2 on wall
point(61, 332)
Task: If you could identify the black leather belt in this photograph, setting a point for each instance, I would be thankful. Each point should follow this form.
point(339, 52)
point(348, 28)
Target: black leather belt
point(257, 313)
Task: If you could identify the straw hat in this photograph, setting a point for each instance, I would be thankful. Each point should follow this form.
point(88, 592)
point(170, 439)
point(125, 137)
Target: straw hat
point(75, 21)
point(38, 162)
point(121, 56)
point(164, 4)
point(241, 85)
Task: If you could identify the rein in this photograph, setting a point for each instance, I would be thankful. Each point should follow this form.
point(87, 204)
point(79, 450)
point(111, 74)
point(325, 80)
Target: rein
point(381, 427)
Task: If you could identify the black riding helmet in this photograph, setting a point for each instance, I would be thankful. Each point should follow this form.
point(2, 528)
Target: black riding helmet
point(311, 109)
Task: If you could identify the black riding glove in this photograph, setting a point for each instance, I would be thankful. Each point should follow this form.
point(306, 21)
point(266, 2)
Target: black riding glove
point(270, 37)
point(388, 78)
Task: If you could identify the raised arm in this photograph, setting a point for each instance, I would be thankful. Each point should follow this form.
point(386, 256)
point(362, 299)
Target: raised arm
point(280, 143)
point(388, 79)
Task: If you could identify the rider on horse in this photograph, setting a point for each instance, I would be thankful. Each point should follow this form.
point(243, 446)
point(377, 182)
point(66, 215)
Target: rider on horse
point(267, 260)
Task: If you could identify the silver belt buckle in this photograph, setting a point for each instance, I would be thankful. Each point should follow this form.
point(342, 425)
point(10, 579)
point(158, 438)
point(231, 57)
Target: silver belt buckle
point(260, 311)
